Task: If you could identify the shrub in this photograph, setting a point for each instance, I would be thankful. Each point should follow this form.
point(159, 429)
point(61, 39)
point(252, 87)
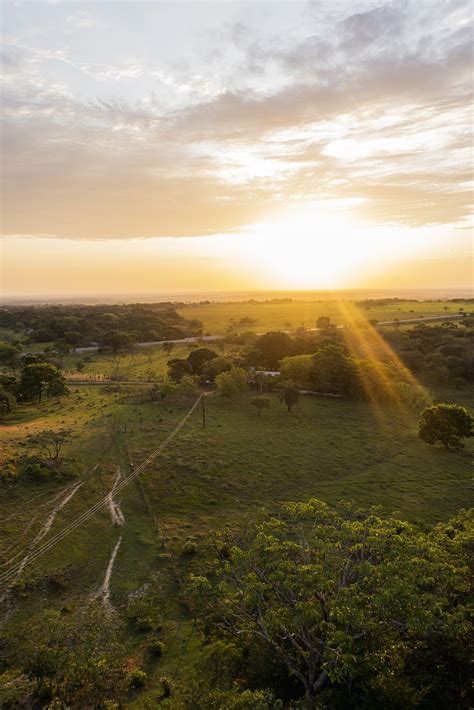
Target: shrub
point(143, 612)
point(156, 647)
point(189, 547)
point(136, 678)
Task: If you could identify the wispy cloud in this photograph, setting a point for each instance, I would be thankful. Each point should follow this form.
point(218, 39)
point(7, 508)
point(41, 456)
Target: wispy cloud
point(343, 101)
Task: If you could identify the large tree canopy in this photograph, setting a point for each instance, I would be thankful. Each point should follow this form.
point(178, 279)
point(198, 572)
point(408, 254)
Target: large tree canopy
point(359, 609)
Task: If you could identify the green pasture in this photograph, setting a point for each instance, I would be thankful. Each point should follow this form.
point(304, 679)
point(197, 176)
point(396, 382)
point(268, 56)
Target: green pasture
point(208, 480)
point(217, 317)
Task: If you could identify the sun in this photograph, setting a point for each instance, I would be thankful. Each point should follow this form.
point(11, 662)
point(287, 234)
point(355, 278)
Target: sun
point(312, 246)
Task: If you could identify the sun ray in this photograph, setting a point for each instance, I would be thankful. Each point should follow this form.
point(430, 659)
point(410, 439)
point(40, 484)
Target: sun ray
point(366, 343)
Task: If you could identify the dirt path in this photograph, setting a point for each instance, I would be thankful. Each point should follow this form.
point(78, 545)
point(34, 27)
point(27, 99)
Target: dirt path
point(51, 517)
point(116, 514)
point(104, 592)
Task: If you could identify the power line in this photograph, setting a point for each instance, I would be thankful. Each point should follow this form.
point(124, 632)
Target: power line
point(42, 549)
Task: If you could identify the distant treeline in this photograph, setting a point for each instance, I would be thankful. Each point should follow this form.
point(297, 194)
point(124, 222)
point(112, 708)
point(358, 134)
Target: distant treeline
point(395, 301)
point(80, 325)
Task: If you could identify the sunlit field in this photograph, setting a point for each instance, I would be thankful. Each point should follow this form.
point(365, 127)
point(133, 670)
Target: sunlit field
point(219, 317)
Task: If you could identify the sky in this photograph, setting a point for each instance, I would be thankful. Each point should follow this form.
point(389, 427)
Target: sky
point(161, 147)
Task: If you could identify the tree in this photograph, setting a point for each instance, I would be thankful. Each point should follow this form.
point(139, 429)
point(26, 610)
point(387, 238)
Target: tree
point(116, 340)
point(74, 659)
point(57, 388)
point(187, 387)
point(52, 442)
point(197, 358)
point(231, 383)
point(8, 355)
point(289, 394)
point(324, 323)
point(297, 368)
point(359, 609)
point(273, 347)
point(38, 377)
point(62, 348)
point(7, 401)
point(446, 423)
point(214, 367)
point(177, 367)
point(260, 403)
point(333, 371)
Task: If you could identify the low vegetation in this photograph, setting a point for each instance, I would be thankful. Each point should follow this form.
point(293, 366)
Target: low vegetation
point(229, 574)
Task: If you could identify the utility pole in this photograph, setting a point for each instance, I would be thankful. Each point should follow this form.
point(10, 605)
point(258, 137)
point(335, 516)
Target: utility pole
point(203, 412)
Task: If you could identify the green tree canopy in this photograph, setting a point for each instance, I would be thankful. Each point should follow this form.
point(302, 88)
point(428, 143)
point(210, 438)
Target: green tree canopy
point(360, 610)
point(334, 372)
point(177, 368)
point(289, 394)
point(272, 348)
point(116, 340)
point(446, 423)
point(39, 377)
point(197, 359)
point(214, 367)
point(231, 383)
point(260, 403)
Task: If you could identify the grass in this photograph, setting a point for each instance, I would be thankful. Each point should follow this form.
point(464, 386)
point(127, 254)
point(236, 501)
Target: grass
point(209, 479)
point(217, 317)
point(147, 364)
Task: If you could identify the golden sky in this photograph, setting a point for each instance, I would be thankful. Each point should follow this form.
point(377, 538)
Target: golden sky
point(155, 147)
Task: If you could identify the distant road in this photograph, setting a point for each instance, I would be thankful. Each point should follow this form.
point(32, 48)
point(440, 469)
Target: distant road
point(206, 338)
point(212, 338)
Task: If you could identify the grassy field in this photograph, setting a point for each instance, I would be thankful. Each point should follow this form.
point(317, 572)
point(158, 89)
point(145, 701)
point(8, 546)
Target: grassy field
point(206, 480)
point(217, 317)
point(209, 479)
point(146, 364)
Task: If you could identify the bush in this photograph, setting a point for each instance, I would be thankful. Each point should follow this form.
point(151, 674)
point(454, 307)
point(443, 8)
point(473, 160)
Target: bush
point(229, 384)
point(189, 547)
point(143, 612)
point(156, 647)
point(136, 678)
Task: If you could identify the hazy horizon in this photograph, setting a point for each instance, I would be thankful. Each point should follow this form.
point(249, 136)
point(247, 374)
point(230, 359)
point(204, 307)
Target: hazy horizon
point(236, 296)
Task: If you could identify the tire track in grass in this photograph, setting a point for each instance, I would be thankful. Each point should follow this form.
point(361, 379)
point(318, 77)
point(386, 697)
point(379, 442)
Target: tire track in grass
point(116, 514)
point(12, 573)
point(45, 528)
point(104, 592)
point(48, 522)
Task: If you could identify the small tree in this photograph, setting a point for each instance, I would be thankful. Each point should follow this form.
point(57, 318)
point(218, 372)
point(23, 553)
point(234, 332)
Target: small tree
point(38, 377)
point(116, 340)
point(289, 395)
point(197, 359)
point(261, 403)
point(232, 382)
point(52, 442)
point(177, 368)
point(9, 355)
point(447, 423)
point(57, 388)
point(324, 323)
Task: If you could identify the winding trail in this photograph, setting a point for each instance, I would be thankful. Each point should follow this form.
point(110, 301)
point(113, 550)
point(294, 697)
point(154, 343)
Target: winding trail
point(104, 592)
point(116, 514)
point(15, 570)
point(51, 517)
point(45, 528)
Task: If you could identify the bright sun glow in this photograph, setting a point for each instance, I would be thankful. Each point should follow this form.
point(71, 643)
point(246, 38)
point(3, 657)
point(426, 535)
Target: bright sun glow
point(318, 245)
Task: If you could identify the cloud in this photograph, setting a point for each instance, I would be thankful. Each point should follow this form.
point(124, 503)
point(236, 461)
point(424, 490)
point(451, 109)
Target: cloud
point(372, 103)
